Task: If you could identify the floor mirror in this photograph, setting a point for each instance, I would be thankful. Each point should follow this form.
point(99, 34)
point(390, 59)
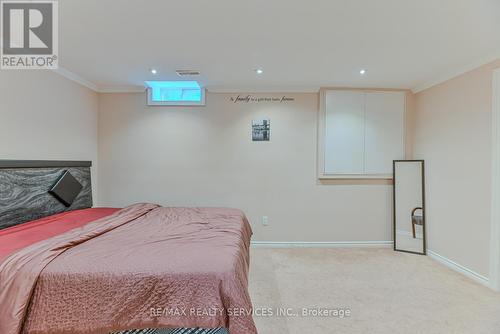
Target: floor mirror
point(409, 206)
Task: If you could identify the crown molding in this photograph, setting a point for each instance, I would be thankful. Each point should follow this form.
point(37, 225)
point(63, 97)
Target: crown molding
point(263, 90)
point(104, 89)
point(122, 89)
point(456, 72)
point(140, 89)
point(76, 78)
point(305, 89)
point(73, 77)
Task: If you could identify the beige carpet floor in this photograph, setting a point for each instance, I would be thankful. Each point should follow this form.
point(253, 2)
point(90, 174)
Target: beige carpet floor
point(386, 292)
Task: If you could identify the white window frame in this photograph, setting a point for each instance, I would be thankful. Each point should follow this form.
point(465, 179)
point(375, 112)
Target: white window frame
point(175, 103)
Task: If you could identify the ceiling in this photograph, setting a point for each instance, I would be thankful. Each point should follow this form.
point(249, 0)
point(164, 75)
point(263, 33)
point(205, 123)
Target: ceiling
point(300, 45)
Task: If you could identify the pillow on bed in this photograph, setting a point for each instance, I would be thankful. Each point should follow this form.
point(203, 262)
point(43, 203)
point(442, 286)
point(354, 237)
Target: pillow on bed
point(66, 189)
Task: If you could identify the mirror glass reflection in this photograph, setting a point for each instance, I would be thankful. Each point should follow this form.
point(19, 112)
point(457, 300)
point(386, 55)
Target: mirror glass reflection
point(409, 207)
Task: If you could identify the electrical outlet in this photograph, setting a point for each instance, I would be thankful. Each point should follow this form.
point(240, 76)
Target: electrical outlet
point(265, 220)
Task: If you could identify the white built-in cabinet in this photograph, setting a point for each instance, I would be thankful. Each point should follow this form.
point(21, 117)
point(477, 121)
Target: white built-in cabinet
point(360, 133)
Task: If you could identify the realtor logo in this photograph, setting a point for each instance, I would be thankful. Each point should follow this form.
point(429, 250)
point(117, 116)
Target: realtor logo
point(29, 34)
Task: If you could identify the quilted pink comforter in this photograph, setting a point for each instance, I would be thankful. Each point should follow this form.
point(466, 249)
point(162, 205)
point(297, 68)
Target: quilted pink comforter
point(143, 267)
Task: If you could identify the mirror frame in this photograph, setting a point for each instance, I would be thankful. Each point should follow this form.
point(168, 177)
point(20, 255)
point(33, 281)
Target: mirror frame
point(424, 252)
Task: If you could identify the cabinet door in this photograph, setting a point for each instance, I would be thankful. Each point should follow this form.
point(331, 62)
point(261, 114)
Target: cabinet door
point(384, 130)
point(344, 132)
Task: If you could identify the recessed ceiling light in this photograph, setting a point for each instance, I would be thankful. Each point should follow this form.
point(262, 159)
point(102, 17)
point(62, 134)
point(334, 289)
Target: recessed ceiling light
point(362, 72)
point(259, 71)
point(153, 71)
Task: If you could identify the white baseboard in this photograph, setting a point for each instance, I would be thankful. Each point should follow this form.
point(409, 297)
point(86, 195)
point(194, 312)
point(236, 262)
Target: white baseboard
point(459, 268)
point(321, 244)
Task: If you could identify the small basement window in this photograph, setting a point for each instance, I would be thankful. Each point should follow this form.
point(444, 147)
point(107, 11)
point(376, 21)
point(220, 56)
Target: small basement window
point(175, 93)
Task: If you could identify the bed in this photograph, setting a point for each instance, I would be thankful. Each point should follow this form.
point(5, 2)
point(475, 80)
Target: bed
point(69, 268)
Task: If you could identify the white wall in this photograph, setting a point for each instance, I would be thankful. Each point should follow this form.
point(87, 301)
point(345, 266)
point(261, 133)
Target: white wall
point(204, 156)
point(44, 116)
point(452, 132)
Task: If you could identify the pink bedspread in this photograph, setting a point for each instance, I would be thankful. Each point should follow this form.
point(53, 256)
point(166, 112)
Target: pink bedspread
point(142, 267)
point(17, 237)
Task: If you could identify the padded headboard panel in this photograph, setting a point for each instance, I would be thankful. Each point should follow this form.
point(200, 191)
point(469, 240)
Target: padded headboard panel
point(24, 186)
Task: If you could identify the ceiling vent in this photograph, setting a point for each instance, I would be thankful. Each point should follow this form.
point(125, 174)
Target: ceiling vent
point(187, 73)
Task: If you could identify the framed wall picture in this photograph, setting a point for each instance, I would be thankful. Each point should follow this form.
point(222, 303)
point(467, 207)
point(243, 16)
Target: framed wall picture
point(261, 130)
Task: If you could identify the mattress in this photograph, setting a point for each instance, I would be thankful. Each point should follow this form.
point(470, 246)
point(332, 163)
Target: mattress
point(15, 239)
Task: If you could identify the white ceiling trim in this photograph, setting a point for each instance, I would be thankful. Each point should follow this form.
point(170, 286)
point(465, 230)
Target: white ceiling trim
point(255, 90)
point(122, 89)
point(72, 76)
point(139, 89)
point(86, 83)
point(457, 72)
point(76, 78)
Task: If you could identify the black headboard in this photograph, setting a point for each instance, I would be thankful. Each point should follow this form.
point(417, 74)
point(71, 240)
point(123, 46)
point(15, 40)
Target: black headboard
point(25, 185)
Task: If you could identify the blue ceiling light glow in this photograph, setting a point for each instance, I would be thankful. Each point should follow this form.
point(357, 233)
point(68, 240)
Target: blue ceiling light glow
point(175, 91)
